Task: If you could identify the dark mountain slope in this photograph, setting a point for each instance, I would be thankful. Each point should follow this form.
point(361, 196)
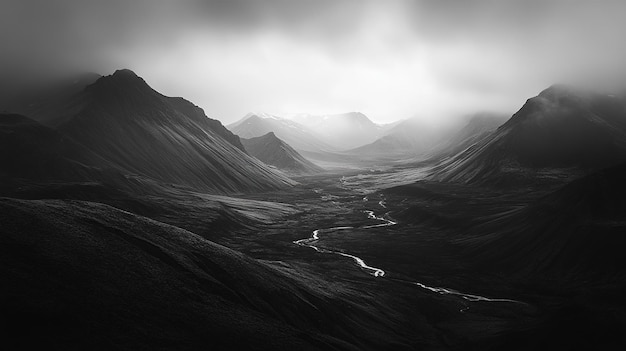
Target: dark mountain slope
point(197, 114)
point(559, 128)
point(577, 231)
point(169, 139)
point(40, 163)
point(78, 274)
point(273, 151)
point(31, 150)
point(46, 102)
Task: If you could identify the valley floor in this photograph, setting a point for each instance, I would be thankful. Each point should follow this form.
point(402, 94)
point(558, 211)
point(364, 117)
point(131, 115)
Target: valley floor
point(409, 241)
point(353, 260)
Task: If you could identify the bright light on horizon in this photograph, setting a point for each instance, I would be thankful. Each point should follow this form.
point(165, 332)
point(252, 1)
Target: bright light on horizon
point(390, 60)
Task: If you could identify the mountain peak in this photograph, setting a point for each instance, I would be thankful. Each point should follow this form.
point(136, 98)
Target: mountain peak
point(557, 91)
point(123, 77)
point(274, 151)
point(125, 72)
point(269, 137)
point(124, 86)
point(357, 114)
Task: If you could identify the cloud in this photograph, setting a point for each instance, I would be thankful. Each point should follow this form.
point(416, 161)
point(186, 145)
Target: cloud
point(389, 59)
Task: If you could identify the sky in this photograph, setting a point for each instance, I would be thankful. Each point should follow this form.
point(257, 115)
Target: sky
point(391, 59)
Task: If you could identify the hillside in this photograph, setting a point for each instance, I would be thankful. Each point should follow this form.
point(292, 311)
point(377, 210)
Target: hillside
point(478, 127)
point(560, 129)
point(575, 232)
point(140, 131)
point(84, 275)
point(32, 151)
point(273, 151)
point(47, 101)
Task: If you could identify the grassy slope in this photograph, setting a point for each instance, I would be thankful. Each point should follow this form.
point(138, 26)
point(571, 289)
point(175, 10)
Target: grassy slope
point(87, 274)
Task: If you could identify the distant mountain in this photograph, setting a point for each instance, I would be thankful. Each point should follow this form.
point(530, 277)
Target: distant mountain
point(298, 136)
point(406, 137)
point(47, 102)
point(344, 131)
point(561, 128)
point(273, 151)
point(139, 131)
point(479, 126)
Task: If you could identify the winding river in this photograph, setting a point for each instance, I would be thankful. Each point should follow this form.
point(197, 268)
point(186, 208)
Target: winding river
point(378, 272)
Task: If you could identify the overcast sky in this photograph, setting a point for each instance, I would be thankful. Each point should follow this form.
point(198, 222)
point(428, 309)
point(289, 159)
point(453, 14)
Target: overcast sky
point(388, 59)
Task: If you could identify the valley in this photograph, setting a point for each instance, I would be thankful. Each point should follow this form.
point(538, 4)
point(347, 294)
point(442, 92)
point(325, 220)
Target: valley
point(334, 175)
point(133, 220)
point(416, 255)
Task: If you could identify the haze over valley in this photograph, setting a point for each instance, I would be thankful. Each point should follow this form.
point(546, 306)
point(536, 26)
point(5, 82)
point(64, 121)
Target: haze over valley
point(312, 175)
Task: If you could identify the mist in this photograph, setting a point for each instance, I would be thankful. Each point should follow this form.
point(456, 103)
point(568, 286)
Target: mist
point(432, 60)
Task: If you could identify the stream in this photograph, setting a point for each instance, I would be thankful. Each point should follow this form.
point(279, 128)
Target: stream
point(379, 272)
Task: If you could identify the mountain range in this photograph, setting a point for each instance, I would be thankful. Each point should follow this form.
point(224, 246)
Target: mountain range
point(293, 133)
point(139, 131)
point(131, 220)
point(312, 133)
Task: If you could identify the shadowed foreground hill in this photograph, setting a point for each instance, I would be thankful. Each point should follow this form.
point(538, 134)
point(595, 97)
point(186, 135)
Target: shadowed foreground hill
point(273, 151)
point(561, 128)
point(139, 131)
point(82, 275)
point(577, 231)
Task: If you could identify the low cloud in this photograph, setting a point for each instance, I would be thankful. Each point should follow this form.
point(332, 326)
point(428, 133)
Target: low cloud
point(390, 60)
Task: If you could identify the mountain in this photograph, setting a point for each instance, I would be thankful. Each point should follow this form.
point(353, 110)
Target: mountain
point(344, 131)
point(47, 102)
point(124, 121)
point(40, 163)
point(407, 137)
point(298, 136)
point(312, 133)
point(560, 130)
point(273, 151)
point(478, 127)
point(32, 151)
point(574, 232)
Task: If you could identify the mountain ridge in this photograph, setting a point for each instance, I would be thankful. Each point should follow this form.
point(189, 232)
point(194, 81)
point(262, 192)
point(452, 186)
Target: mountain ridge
point(293, 133)
point(140, 131)
point(274, 151)
point(557, 129)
